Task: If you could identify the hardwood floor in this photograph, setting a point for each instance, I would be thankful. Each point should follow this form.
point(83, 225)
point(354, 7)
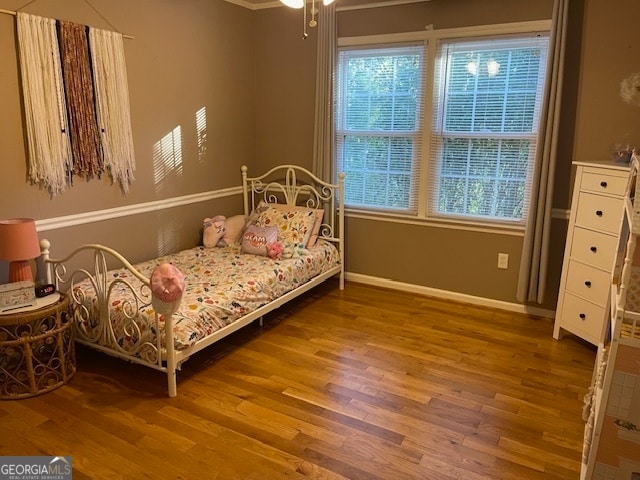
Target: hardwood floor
point(365, 383)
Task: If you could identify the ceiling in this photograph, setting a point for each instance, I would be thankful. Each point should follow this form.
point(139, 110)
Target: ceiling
point(260, 4)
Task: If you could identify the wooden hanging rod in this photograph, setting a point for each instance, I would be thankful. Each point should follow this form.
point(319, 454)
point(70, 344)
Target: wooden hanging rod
point(11, 12)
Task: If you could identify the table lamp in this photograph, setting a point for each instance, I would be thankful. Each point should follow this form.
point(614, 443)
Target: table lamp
point(19, 245)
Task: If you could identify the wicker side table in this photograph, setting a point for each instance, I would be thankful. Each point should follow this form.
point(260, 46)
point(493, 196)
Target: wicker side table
point(37, 350)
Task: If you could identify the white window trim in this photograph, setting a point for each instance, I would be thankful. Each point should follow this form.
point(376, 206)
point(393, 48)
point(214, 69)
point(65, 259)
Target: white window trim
point(446, 33)
point(431, 37)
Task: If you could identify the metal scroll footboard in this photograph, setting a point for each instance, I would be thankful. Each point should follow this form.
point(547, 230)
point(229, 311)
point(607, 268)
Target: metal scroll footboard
point(91, 291)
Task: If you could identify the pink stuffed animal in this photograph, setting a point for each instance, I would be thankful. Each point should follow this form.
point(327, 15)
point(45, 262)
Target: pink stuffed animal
point(167, 282)
point(213, 230)
point(275, 250)
point(167, 286)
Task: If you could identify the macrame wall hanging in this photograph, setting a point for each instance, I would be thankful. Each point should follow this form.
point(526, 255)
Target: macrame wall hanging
point(76, 103)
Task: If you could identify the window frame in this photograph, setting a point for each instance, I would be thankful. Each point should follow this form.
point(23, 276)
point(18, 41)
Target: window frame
point(431, 39)
point(416, 135)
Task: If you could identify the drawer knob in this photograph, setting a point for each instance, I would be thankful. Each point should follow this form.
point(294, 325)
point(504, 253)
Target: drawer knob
point(599, 213)
point(587, 284)
point(582, 316)
point(603, 184)
point(593, 248)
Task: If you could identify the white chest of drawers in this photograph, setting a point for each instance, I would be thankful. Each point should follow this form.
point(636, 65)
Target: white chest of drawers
point(597, 207)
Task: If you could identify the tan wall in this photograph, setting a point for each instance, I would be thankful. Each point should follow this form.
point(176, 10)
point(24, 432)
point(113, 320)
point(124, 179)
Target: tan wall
point(285, 88)
point(610, 52)
point(184, 56)
point(441, 13)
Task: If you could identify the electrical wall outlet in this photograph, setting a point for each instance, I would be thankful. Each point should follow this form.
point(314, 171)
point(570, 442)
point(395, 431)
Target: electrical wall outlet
point(503, 260)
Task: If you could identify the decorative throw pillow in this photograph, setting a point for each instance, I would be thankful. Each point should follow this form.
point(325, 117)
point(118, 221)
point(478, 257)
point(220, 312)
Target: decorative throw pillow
point(294, 228)
point(213, 230)
point(261, 207)
point(255, 240)
point(317, 212)
point(234, 226)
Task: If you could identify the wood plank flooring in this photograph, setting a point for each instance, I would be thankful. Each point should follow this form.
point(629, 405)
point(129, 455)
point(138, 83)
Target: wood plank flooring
point(364, 383)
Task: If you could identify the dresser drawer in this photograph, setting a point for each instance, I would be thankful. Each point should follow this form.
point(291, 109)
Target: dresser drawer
point(599, 212)
point(594, 248)
point(602, 183)
point(582, 318)
point(589, 282)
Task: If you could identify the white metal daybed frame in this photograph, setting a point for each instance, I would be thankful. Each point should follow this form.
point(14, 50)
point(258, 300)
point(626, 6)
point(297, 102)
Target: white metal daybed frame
point(288, 184)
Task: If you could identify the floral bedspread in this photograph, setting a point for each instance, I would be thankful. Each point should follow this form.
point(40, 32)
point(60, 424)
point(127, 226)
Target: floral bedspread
point(222, 285)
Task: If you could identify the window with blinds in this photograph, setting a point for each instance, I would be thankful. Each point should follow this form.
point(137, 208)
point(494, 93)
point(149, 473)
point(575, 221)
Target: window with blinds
point(484, 100)
point(379, 111)
point(487, 103)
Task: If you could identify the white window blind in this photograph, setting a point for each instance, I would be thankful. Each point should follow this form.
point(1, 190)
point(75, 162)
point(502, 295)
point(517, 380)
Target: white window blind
point(379, 111)
point(487, 103)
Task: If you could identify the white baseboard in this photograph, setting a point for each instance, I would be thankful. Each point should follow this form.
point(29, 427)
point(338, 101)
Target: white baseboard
point(447, 295)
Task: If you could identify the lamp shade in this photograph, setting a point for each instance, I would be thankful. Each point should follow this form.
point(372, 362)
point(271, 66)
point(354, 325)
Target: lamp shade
point(19, 244)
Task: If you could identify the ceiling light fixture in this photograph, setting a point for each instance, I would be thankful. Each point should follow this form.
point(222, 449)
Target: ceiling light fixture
point(314, 11)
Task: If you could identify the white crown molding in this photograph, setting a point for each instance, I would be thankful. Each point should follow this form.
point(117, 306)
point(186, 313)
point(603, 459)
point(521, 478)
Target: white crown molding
point(118, 212)
point(447, 295)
